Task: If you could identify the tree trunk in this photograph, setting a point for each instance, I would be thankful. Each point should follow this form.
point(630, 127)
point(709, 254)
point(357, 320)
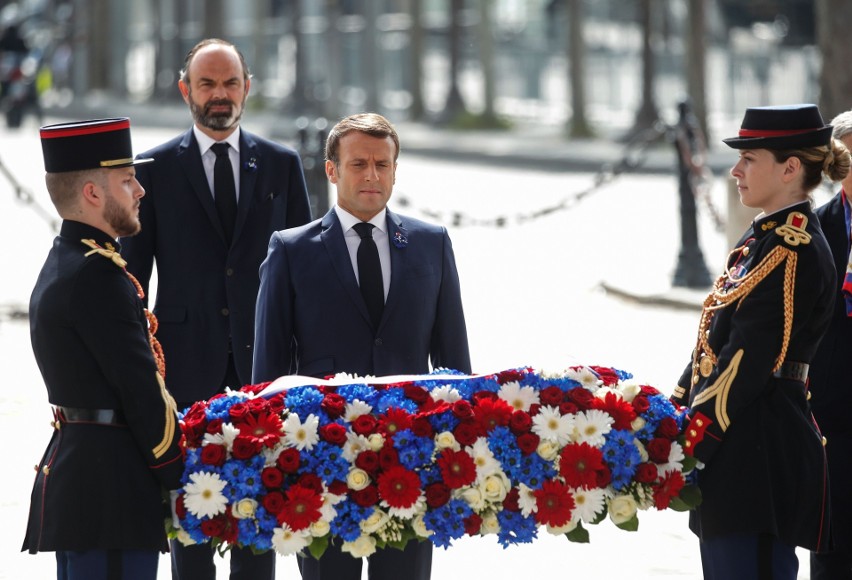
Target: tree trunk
point(696, 63)
point(578, 126)
point(835, 82)
point(415, 64)
point(486, 56)
point(214, 19)
point(454, 105)
point(647, 114)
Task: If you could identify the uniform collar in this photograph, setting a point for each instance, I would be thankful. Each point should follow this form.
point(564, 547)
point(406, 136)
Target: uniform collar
point(764, 224)
point(77, 231)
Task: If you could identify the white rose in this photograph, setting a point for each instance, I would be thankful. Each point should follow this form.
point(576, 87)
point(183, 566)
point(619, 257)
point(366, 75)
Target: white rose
point(490, 524)
point(360, 548)
point(376, 441)
point(473, 497)
point(357, 479)
point(320, 528)
point(563, 529)
point(244, 508)
point(643, 453)
point(548, 450)
point(184, 538)
point(637, 424)
point(630, 391)
point(622, 508)
point(419, 527)
point(375, 522)
point(494, 488)
point(446, 440)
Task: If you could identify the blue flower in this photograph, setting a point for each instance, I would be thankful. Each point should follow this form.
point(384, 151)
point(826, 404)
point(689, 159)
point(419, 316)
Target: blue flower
point(347, 524)
point(326, 461)
point(304, 401)
point(447, 522)
point(414, 452)
point(515, 528)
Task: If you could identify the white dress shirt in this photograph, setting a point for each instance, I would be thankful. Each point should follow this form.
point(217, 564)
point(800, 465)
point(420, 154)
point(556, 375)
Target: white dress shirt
point(353, 240)
point(208, 157)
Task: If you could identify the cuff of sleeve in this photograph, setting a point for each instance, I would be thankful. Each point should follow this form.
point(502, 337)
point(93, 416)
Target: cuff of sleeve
point(700, 443)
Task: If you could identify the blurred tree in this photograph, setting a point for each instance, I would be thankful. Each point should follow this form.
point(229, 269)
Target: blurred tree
point(833, 19)
point(454, 105)
point(647, 114)
point(417, 111)
point(696, 62)
point(485, 34)
point(214, 19)
point(98, 37)
point(578, 126)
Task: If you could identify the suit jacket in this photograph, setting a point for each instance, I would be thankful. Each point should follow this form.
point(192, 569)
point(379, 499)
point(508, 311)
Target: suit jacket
point(312, 320)
point(206, 290)
point(99, 486)
point(765, 464)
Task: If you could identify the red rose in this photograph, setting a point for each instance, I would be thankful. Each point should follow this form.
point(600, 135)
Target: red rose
point(603, 477)
point(258, 405)
point(472, 524)
point(369, 496)
point(510, 503)
point(273, 502)
point(568, 408)
point(333, 433)
point(417, 394)
point(508, 376)
point(214, 427)
point(334, 405)
point(238, 412)
point(659, 449)
point(271, 477)
point(437, 494)
point(338, 487)
point(310, 481)
point(641, 403)
point(180, 507)
point(649, 390)
point(212, 454)
point(607, 375)
point(534, 409)
point(214, 528)
point(551, 396)
point(288, 460)
point(462, 409)
point(646, 473)
point(276, 404)
point(667, 428)
point(582, 397)
point(422, 427)
point(246, 447)
point(364, 425)
point(528, 443)
point(520, 422)
point(466, 432)
point(388, 456)
point(483, 396)
point(368, 461)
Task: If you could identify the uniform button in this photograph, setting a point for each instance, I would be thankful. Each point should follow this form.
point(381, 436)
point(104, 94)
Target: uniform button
point(248, 347)
point(229, 272)
point(746, 251)
point(45, 470)
point(378, 342)
point(225, 312)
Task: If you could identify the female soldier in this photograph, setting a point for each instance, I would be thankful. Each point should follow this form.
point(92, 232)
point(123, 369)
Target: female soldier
point(764, 481)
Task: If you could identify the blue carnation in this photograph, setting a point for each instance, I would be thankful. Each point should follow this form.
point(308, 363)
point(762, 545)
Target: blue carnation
point(347, 524)
point(358, 392)
point(326, 461)
point(414, 452)
point(447, 522)
point(304, 401)
point(515, 528)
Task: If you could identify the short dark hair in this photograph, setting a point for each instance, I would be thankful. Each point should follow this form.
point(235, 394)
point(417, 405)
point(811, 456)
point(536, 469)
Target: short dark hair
point(184, 73)
point(372, 124)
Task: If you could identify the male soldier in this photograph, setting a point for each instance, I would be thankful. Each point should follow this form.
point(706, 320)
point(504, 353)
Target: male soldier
point(98, 495)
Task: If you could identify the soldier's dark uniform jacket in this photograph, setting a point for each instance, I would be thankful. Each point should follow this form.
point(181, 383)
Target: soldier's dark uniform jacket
point(115, 445)
point(765, 469)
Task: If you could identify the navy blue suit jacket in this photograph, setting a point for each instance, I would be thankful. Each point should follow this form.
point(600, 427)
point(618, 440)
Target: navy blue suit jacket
point(312, 320)
point(206, 290)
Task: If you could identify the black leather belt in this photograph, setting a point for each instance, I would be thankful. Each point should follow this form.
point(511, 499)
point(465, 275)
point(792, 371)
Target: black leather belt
point(795, 371)
point(105, 416)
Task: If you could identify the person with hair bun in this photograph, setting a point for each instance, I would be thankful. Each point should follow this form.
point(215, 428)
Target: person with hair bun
point(764, 480)
point(831, 370)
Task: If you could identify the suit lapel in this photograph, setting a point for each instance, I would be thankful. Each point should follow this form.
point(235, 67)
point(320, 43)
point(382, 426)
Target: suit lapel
point(397, 258)
point(338, 253)
point(189, 158)
point(249, 163)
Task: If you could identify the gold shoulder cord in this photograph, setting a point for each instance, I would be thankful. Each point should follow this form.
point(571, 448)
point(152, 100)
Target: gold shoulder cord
point(719, 298)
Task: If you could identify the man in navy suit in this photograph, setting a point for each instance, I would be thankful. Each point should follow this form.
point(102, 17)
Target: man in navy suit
point(214, 198)
point(316, 317)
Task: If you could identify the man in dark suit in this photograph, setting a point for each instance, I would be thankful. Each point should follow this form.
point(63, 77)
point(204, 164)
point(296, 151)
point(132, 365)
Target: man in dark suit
point(831, 373)
point(364, 291)
point(215, 196)
point(98, 498)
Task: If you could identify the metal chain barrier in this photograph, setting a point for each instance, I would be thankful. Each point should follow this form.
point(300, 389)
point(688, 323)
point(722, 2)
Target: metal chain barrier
point(25, 196)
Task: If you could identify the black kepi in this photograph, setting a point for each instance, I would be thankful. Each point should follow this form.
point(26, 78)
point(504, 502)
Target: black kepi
point(781, 127)
point(95, 144)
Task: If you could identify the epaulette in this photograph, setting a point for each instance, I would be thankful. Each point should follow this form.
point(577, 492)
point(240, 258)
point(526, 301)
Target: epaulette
point(108, 252)
point(793, 232)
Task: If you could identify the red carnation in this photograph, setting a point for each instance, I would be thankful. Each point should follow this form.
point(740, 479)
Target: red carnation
point(554, 502)
point(437, 494)
point(369, 496)
point(669, 487)
point(334, 405)
point(462, 409)
point(394, 421)
point(667, 428)
point(288, 460)
point(466, 432)
point(273, 502)
point(520, 422)
point(622, 412)
point(551, 396)
point(399, 487)
point(271, 477)
point(457, 468)
point(212, 454)
point(528, 443)
point(245, 447)
point(334, 433)
point(368, 460)
point(301, 507)
point(491, 413)
point(646, 473)
point(659, 449)
point(579, 464)
point(364, 425)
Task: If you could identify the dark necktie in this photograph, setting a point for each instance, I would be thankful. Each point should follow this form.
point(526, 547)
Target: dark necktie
point(370, 273)
point(224, 190)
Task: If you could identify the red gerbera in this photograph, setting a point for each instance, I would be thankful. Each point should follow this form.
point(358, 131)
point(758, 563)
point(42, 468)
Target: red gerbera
point(668, 487)
point(554, 502)
point(394, 421)
point(263, 428)
point(491, 413)
point(622, 412)
point(457, 468)
point(399, 487)
point(579, 464)
point(301, 507)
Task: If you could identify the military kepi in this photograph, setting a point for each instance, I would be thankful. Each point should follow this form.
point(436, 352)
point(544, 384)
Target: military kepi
point(783, 127)
point(96, 144)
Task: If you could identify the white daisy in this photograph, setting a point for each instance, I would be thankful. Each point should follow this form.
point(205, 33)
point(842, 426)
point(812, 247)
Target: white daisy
point(446, 393)
point(518, 397)
point(287, 542)
point(592, 426)
point(584, 376)
point(588, 503)
point(301, 435)
point(526, 500)
point(551, 425)
point(354, 445)
point(204, 498)
point(675, 462)
point(226, 437)
point(355, 409)
point(416, 508)
point(484, 460)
